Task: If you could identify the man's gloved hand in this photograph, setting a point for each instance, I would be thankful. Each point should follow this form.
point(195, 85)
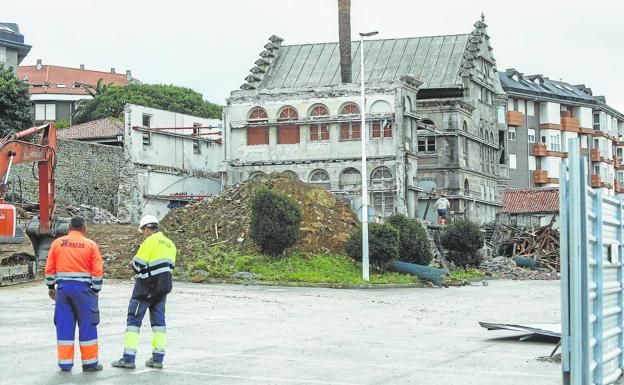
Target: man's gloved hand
point(52, 294)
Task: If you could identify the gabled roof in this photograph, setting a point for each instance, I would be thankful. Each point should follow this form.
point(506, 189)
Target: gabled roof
point(438, 61)
point(47, 79)
point(511, 79)
point(96, 129)
point(531, 201)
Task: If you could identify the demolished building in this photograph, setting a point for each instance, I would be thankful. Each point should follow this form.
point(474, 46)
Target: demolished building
point(161, 160)
point(433, 113)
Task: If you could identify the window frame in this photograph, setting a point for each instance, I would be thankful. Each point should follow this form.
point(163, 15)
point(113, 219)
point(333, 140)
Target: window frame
point(515, 134)
point(149, 120)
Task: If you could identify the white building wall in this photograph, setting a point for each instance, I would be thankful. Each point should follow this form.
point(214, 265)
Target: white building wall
point(550, 113)
point(585, 117)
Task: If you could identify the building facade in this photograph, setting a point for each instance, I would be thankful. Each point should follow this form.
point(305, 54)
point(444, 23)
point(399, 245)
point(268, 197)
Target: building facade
point(12, 47)
point(543, 115)
point(55, 90)
point(431, 112)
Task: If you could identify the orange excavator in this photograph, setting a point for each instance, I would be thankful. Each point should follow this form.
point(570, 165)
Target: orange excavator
point(36, 144)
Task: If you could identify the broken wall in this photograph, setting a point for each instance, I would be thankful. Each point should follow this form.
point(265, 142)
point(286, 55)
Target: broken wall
point(86, 173)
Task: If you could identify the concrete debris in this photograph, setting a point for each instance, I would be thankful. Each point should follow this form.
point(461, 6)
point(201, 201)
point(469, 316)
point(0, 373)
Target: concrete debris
point(91, 214)
point(505, 268)
point(224, 219)
point(245, 275)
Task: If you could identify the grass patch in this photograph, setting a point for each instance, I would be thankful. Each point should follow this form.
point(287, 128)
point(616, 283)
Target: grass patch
point(221, 263)
point(467, 274)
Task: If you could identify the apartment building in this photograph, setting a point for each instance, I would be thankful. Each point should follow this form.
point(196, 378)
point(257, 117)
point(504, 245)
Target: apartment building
point(12, 47)
point(543, 114)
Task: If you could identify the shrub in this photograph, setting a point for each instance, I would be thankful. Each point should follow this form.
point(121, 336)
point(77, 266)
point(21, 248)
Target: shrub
point(275, 221)
point(463, 239)
point(383, 243)
point(62, 123)
point(414, 244)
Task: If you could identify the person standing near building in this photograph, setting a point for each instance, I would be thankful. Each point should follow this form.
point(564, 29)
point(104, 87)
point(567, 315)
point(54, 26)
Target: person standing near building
point(153, 265)
point(75, 266)
point(442, 204)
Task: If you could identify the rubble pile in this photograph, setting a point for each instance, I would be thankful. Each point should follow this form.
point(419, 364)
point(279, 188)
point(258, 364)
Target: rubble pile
point(118, 244)
point(91, 214)
point(541, 245)
point(505, 268)
point(224, 219)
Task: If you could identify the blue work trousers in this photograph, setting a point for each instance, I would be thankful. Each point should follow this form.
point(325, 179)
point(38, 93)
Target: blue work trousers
point(136, 312)
point(77, 303)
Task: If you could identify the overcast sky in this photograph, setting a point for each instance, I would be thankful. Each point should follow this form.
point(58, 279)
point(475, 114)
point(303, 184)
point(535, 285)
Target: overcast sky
point(211, 45)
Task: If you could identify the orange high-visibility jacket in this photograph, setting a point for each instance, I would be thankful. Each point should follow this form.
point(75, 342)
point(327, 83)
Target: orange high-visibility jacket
point(74, 258)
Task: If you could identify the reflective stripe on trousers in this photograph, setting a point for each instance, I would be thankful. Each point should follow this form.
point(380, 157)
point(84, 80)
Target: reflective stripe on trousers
point(136, 312)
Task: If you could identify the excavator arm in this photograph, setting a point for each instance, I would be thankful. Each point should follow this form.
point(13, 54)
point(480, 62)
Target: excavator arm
point(14, 149)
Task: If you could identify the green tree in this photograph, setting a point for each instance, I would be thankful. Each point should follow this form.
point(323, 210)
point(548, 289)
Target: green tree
point(414, 244)
point(109, 101)
point(383, 243)
point(275, 221)
point(463, 239)
point(14, 103)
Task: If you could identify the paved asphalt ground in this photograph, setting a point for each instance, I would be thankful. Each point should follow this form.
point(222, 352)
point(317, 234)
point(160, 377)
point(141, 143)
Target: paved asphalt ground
point(229, 334)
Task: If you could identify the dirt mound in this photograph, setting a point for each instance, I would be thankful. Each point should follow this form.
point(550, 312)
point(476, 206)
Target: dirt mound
point(224, 219)
point(118, 244)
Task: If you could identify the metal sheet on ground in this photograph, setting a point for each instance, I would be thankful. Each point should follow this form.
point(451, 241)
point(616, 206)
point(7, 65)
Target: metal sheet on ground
point(550, 330)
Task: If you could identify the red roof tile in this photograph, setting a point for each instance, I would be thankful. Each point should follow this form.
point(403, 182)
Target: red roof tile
point(545, 200)
point(96, 129)
point(49, 77)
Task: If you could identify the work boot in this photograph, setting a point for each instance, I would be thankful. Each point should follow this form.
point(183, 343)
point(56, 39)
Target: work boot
point(66, 369)
point(123, 364)
point(153, 364)
point(95, 368)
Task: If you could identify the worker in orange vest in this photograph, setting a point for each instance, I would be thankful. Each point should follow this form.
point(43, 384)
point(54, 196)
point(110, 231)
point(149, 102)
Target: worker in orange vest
point(75, 266)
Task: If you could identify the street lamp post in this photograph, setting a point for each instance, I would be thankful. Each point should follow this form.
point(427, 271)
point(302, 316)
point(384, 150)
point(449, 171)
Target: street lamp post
point(363, 138)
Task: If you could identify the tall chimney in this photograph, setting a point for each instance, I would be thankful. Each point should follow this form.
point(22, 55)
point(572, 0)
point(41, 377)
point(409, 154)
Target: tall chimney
point(344, 37)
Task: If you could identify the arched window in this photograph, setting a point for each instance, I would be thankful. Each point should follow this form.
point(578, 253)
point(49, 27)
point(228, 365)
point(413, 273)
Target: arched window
point(257, 114)
point(382, 180)
point(319, 131)
point(291, 174)
point(382, 177)
point(320, 178)
point(257, 134)
point(256, 175)
point(407, 101)
point(350, 179)
point(428, 122)
point(466, 188)
point(465, 126)
point(287, 133)
point(350, 130)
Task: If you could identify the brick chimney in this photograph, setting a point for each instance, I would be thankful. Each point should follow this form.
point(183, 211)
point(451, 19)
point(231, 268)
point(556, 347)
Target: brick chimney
point(344, 38)
point(39, 64)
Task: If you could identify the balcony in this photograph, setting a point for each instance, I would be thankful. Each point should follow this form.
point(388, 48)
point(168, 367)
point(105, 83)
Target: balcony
point(540, 149)
point(596, 182)
point(595, 156)
point(541, 177)
point(515, 118)
point(618, 162)
point(619, 187)
point(570, 124)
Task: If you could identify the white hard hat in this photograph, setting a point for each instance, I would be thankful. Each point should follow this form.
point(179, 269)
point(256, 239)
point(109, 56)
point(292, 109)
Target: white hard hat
point(148, 220)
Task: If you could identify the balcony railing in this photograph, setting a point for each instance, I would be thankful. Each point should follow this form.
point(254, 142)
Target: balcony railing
point(540, 149)
point(515, 118)
point(541, 177)
point(570, 124)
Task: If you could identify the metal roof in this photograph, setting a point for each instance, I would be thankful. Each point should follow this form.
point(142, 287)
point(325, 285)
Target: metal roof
point(540, 85)
point(435, 59)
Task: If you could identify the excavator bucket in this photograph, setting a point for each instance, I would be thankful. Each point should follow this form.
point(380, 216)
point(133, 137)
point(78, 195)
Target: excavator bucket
point(41, 242)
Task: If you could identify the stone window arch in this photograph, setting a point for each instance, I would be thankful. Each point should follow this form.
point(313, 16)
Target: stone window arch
point(319, 131)
point(256, 175)
point(320, 178)
point(351, 129)
point(257, 114)
point(407, 102)
point(466, 187)
point(380, 107)
point(350, 179)
point(382, 177)
point(291, 174)
point(465, 126)
point(287, 113)
point(287, 133)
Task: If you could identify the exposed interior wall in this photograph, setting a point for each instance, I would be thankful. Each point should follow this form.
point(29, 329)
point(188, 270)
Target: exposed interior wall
point(86, 173)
